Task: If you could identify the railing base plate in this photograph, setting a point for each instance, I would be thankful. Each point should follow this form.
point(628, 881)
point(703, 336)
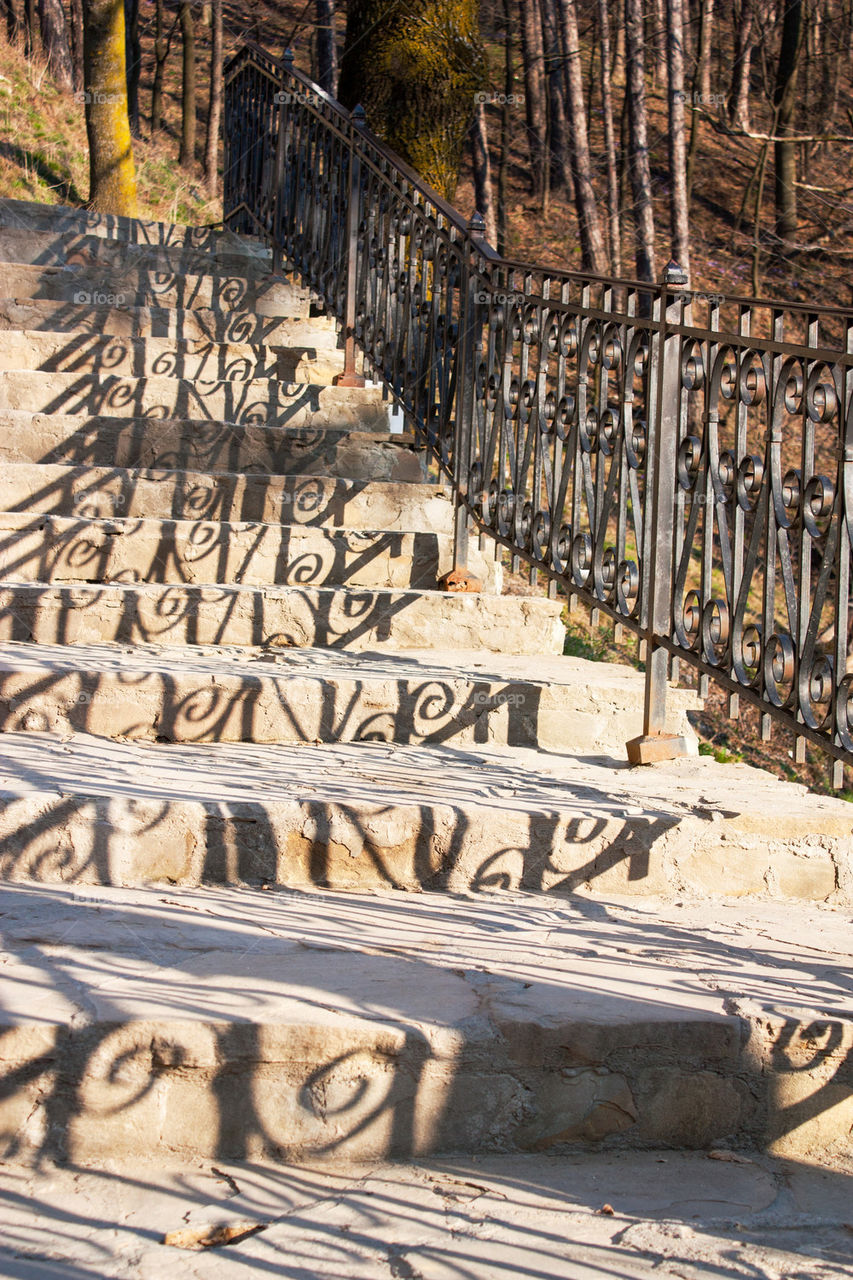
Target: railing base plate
point(653, 747)
point(348, 380)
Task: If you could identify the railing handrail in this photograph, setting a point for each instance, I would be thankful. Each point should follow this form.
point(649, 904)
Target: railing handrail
point(693, 481)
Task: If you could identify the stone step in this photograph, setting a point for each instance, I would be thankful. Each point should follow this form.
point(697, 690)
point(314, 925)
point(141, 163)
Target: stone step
point(262, 400)
point(314, 695)
point(189, 359)
point(44, 315)
point(329, 435)
point(70, 248)
point(243, 1025)
point(267, 296)
point(370, 815)
point(25, 215)
point(280, 616)
point(690, 1214)
point(63, 549)
point(333, 502)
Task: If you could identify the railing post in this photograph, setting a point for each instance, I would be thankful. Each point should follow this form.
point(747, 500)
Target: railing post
point(349, 377)
point(280, 158)
point(465, 400)
point(655, 743)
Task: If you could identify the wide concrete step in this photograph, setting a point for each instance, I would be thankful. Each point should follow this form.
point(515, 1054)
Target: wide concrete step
point(210, 1024)
point(314, 617)
point(187, 359)
point(72, 549)
point(70, 248)
point(330, 501)
point(262, 400)
point(691, 1214)
point(137, 287)
point(59, 220)
point(314, 695)
point(45, 315)
point(325, 441)
point(370, 815)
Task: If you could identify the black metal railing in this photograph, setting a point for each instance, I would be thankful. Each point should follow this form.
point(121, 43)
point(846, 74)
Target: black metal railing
point(680, 462)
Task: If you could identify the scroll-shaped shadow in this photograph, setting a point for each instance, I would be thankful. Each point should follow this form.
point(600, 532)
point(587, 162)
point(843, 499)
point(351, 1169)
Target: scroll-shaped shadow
point(365, 1027)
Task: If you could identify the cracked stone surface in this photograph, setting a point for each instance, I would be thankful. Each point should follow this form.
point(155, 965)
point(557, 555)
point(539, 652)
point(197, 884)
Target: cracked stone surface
point(248, 1022)
point(311, 695)
point(368, 814)
point(674, 1215)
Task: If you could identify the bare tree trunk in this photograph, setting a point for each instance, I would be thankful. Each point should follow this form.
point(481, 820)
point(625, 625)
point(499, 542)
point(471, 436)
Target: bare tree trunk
point(618, 71)
point(503, 168)
point(482, 167)
point(30, 33)
point(112, 180)
point(679, 203)
point(785, 101)
point(187, 155)
point(593, 255)
point(133, 58)
point(327, 56)
point(211, 149)
point(533, 61)
point(739, 91)
point(658, 42)
point(77, 43)
point(638, 141)
point(161, 50)
point(613, 217)
point(558, 129)
point(702, 78)
point(54, 38)
point(10, 17)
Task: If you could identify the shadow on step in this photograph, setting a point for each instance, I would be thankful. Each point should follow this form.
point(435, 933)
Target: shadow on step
point(299, 1026)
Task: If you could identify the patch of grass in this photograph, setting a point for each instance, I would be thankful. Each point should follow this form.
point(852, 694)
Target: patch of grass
point(720, 754)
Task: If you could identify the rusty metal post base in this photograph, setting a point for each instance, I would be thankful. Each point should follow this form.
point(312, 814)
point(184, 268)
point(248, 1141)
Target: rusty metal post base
point(651, 748)
point(348, 380)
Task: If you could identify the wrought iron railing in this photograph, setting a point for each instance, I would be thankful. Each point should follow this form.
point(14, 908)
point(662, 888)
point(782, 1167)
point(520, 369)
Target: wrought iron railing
point(680, 462)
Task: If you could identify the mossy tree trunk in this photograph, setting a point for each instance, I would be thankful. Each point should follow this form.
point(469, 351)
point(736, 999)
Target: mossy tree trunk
point(416, 67)
point(112, 180)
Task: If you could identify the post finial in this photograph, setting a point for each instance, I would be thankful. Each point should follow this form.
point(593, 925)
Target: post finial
point(674, 276)
point(477, 225)
point(358, 116)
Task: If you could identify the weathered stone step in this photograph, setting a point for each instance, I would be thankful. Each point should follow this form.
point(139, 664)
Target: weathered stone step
point(328, 434)
point(70, 549)
point(114, 449)
point(69, 248)
point(213, 1024)
point(334, 502)
point(26, 215)
point(262, 400)
point(376, 815)
point(44, 315)
point(188, 359)
point(314, 695)
point(267, 296)
point(680, 1214)
point(313, 617)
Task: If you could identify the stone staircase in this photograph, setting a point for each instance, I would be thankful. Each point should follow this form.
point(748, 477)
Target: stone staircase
point(258, 772)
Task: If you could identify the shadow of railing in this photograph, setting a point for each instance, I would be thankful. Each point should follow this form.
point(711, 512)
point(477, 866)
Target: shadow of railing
point(303, 1028)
